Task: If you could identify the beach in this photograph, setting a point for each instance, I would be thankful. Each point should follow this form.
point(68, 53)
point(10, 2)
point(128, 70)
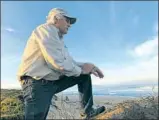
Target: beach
point(67, 106)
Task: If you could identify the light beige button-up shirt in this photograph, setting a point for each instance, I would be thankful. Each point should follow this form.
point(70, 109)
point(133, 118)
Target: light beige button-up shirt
point(46, 56)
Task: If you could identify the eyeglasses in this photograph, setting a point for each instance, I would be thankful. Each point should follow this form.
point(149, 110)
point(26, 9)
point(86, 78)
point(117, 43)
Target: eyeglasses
point(67, 19)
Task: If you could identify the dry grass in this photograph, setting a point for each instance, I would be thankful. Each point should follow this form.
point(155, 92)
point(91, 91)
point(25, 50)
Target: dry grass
point(143, 108)
point(65, 109)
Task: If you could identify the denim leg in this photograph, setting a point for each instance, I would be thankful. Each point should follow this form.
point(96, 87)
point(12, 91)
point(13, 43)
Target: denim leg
point(37, 98)
point(85, 93)
point(84, 87)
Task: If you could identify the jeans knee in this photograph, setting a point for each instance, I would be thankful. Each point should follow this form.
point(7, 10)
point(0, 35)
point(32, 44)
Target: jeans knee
point(88, 76)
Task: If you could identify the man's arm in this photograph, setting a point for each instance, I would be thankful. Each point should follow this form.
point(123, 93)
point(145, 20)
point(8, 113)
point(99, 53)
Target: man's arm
point(52, 52)
point(80, 64)
point(94, 69)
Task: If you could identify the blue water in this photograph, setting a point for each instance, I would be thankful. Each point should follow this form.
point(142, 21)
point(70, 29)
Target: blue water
point(126, 93)
point(123, 91)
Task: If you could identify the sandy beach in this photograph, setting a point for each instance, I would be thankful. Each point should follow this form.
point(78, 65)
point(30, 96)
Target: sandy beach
point(68, 107)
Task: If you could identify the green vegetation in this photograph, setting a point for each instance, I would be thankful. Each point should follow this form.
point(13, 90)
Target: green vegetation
point(11, 106)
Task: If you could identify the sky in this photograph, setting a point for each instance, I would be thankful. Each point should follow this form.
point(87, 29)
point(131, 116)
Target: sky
point(121, 38)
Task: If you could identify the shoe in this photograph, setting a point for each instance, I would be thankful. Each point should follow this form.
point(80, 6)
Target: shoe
point(93, 113)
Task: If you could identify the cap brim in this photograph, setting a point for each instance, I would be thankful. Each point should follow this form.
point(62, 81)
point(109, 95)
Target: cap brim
point(72, 20)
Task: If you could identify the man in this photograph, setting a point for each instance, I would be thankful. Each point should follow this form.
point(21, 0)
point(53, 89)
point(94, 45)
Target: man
point(47, 69)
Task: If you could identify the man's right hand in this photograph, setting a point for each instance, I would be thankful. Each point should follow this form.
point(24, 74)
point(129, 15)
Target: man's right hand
point(87, 68)
point(97, 72)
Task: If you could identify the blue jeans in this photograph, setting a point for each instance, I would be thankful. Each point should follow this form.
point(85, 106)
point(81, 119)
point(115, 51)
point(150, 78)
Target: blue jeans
point(38, 94)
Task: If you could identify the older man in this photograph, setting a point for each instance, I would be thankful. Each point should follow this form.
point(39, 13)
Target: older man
point(47, 69)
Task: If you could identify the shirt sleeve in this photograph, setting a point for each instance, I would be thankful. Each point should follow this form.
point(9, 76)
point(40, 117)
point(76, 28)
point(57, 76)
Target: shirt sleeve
point(51, 49)
point(80, 64)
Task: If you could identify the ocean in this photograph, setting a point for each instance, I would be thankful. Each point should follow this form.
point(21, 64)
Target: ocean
point(139, 91)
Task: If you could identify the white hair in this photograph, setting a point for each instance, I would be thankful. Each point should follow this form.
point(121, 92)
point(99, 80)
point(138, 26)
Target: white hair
point(53, 18)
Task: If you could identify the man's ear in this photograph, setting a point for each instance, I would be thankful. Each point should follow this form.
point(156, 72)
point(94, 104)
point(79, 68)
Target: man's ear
point(55, 20)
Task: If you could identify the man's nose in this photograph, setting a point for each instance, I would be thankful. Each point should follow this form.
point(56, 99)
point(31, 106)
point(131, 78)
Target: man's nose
point(68, 24)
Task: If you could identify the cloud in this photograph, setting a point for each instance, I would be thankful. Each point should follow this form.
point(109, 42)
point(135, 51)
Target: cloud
point(143, 69)
point(146, 49)
point(10, 30)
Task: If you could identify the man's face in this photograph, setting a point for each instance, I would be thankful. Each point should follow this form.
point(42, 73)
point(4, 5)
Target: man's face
point(63, 25)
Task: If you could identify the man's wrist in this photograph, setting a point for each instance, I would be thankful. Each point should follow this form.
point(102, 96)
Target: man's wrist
point(82, 71)
point(92, 69)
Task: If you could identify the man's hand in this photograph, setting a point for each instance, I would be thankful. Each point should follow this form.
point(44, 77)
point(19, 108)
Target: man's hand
point(97, 72)
point(89, 68)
